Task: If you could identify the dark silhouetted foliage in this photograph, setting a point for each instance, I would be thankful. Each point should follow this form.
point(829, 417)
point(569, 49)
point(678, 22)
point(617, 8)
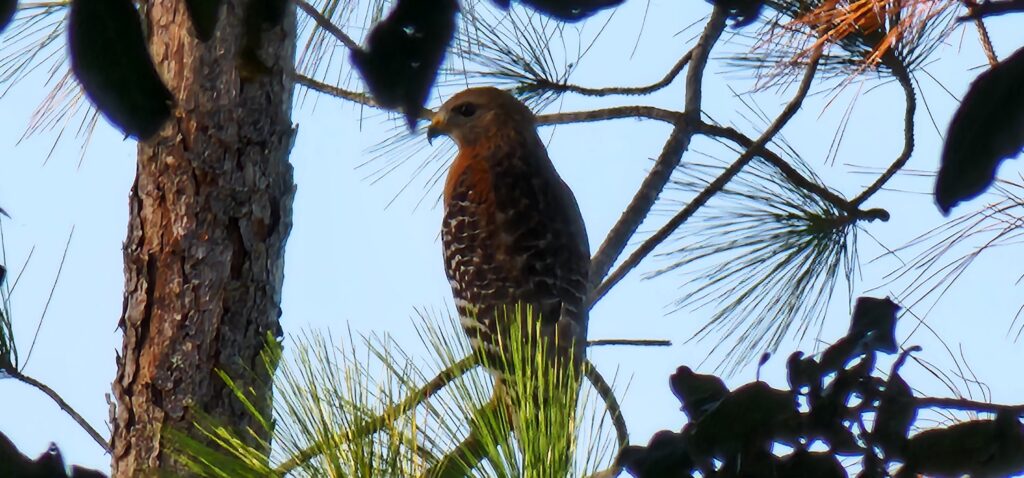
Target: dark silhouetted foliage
point(111, 61)
point(404, 51)
point(987, 129)
point(204, 15)
point(565, 10)
point(50, 464)
point(7, 9)
point(743, 12)
point(732, 434)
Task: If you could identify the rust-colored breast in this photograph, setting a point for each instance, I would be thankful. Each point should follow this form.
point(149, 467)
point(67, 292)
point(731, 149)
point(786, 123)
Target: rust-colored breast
point(512, 236)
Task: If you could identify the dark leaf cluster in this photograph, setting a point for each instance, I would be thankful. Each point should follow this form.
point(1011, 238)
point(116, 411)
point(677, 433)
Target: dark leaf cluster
point(831, 397)
point(125, 86)
point(7, 9)
point(987, 129)
point(50, 464)
point(565, 10)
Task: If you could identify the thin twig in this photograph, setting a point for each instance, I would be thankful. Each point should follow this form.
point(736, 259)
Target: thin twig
point(79, 419)
point(986, 42)
point(331, 90)
point(899, 70)
point(636, 342)
point(679, 139)
point(390, 414)
point(326, 24)
point(621, 90)
point(617, 112)
point(717, 185)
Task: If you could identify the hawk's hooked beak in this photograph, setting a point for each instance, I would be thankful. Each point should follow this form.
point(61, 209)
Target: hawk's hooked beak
point(437, 126)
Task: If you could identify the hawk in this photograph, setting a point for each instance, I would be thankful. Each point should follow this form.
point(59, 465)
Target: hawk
point(512, 232)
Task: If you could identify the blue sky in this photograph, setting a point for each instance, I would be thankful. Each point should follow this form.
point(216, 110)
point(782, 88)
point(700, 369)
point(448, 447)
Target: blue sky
point(360, 257)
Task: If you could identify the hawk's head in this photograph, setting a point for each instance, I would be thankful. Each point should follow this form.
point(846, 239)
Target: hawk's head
point(478, 114)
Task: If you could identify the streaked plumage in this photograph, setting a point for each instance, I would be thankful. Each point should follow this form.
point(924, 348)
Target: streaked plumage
point(512, 231)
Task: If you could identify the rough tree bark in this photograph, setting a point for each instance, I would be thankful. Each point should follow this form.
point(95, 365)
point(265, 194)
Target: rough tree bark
point(204, 257)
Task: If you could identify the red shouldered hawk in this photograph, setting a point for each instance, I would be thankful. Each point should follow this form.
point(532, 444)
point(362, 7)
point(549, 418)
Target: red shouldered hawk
point(512, 231)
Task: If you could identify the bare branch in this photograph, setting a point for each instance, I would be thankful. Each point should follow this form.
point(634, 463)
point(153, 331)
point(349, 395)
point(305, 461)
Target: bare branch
point(634, 259)
point(326, 24)
point(636, 342)
point(899, 70)
point(618, 112)
point(668, 160)
point(375, 424)
point(78, 418)
point(621, 90)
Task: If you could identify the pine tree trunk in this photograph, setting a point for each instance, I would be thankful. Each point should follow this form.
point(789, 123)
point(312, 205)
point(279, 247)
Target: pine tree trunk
point(204, 257)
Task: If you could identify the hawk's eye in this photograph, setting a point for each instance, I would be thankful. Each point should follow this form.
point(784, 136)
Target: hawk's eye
point(466, 110)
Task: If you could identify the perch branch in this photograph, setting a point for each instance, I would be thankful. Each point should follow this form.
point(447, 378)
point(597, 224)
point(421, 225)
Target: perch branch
point(326, 24)
point(620, 90)
point(380, 421)
point(903, 76)
point(49, 392)
point(668, 160)
point(717, 185)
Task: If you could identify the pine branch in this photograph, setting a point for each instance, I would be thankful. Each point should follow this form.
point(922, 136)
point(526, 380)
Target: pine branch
point(899, 70)
point(717, 185)
point(375, 424)
point(678, 141)
point(67, 408)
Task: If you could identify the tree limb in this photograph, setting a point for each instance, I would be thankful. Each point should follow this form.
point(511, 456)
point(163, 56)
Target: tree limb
point(678, 140)
point(717, 185)
point(49, 392)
